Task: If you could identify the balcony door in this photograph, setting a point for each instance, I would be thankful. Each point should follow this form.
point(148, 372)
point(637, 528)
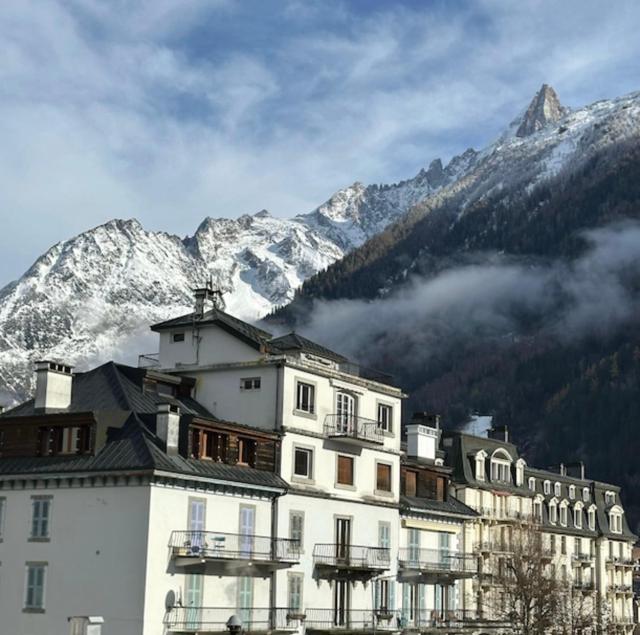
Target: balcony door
point(247, 531)
point(193, 601)
point(414, 547)
point(346, 411)
point(196, 523)
point(341, 602)
point(343, 539)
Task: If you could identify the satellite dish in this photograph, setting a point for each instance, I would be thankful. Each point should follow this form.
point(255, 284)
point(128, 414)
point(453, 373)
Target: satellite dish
point(170, 600)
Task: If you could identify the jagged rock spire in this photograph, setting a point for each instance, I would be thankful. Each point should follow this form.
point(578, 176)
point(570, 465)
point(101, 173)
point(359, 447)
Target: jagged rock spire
point(544, 108)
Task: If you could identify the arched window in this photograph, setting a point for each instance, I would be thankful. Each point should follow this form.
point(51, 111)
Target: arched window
point(592, 517)
point(572, 492)
point(577, 515)
point(585, 494)
point(557, 489)
point(615, 520)
point(563, 513)
point(532, 483)
point(610, 498)
point(480, 466)
point(520, 464)
point(501, 467)
point(537, 509)
point(553, 511)
point(547, 488)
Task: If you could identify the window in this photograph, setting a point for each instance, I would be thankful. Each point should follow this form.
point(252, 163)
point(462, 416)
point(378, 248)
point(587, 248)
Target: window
point(563, 545)
point(345, 470)
point(552, 544)
point(572, 492)
point(500, 471)
point(178, 337)
point(246, 451)
point(208, 444)
point(563, 515)
point(519, 472)
point(305, 397)
point(296, 526)
point(303, 462)
point(40, 513)
point(553, 512)
point(547, 488)
point(585, 494)
point(383, 595)
point(609, 498)
point(480, 470)
point(3, 506)
point(34, 586)
point(592, 519)
point(385, 417)
point(384, 535)
point(410, 483)
point(537, 510)
point(557, 489)
point(615, 522)
point(250, 383)
point(294, 593)
point(532, 484)
point(64, 440)
point(577, 517)
point(383, 477)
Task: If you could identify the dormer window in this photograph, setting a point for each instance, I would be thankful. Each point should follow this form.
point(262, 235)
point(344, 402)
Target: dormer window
point(537, 510)
point(592, 518)
point(557, 489)
point(563, 513)
point(547, 488)
point(585, 494)
point(500, 467)
point(577, 516)
point(532, 483)
point(572, 492)
point(615, 520)
point(610, 498)
point(64, 440)
point(480, 466)
point(553, 512)
point(520, 472)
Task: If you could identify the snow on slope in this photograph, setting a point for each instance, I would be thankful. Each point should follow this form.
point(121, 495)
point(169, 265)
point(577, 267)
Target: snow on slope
point(92, 297)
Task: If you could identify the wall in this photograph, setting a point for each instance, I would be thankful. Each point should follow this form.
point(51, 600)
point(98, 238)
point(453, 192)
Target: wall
point(96, 559)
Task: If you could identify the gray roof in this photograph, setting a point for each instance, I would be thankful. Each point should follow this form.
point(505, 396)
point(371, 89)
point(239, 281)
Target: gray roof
point(293, 341)
point(451, 506)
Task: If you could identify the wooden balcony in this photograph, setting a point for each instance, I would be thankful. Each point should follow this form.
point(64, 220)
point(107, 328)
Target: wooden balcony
point(218, 553)
point(207, 619)
point(435, 565)
point(352, 562)
point(353, 429)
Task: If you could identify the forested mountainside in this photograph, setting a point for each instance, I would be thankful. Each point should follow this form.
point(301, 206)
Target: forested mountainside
point(524, 305)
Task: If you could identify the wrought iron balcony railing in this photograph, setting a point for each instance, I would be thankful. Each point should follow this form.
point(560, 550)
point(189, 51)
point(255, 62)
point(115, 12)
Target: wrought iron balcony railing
point(620, 561)
point(582, 557)
point(353, 428)
point(503, 514)
point(437, 560)
point(584, 585)
point(207, 619)
point(442, 618)
point(223, 546)
point(351, 556)
point(621, 588)
point(351, 620)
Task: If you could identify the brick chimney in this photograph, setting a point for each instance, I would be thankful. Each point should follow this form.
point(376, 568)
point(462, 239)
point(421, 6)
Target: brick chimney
point(168, 426)
point(423, 436)
point(53, 385)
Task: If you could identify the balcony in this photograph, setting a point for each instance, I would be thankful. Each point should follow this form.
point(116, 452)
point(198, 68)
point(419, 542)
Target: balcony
point(448, 619)
point(619, 561)
point(232, 554)
point(353, 562)
point(352, 620)
point(584, 558)
point(437, 565)
point(503, 515)
point(586, 586)
point(206, 619)
point(620, 588)
point(353, 429)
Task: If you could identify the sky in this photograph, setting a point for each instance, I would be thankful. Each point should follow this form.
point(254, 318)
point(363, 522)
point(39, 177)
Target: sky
point(169, 111)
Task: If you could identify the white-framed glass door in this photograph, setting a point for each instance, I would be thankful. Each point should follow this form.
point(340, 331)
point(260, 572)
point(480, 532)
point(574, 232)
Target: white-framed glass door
point(196, 524)
point(345, 411)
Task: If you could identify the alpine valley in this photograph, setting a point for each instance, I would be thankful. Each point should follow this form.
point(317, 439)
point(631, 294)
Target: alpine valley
point(514, 230)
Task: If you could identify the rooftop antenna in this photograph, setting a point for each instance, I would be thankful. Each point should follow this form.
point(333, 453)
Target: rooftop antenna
point(205, 296)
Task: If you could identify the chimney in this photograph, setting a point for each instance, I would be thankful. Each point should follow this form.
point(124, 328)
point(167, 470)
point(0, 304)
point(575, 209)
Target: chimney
point(500, 433)
point(168, 426)
point(423, 436)
point(53, 385)
point(575, 469)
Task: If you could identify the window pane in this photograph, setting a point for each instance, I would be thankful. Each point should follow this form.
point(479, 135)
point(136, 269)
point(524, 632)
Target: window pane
point(302, 463)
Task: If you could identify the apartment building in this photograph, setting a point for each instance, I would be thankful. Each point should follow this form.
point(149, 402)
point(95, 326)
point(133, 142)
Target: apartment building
point(239, 480)
point(585, 535)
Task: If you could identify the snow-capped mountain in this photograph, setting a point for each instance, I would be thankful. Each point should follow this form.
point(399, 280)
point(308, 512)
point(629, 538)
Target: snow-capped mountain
point(91, 297)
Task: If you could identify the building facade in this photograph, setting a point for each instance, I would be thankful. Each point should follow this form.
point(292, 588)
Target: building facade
point(240, 474)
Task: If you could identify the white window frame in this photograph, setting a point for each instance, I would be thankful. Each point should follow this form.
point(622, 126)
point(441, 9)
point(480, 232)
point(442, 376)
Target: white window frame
point(532, 484)
point(585, 494)
point(553, 512)
point(615, 521)
point(500, 470)
point(563, 514)
point(572, 492)
point(301, 386)
point(387, 425)
point(557, 489)
point(537, 509)
point(577, 517)
point(610, 497)
point(546, 487)
point(480, 465)
point(255, 384)
point(40, 522)
point(33, 607)
point(310, 460)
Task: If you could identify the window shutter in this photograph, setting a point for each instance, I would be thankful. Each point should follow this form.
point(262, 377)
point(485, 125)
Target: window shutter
point(345, 470)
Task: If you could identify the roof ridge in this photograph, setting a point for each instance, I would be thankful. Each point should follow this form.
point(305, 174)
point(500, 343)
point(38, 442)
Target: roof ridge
point(119, 386)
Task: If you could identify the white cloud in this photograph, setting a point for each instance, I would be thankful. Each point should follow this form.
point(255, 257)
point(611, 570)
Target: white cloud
point(169, 111)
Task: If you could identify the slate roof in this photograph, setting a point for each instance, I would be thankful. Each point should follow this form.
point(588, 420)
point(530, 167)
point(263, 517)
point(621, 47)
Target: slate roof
point(451, 506)
point(112, 386)
point(293, 341)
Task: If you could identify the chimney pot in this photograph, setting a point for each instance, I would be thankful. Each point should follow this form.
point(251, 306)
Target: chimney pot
point(423, 436)
point(54, 381)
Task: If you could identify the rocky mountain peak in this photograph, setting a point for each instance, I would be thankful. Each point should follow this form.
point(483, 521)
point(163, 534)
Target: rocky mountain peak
point(544, 108)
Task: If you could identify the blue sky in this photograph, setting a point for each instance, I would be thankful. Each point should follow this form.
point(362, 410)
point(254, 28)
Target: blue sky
point(172, 110)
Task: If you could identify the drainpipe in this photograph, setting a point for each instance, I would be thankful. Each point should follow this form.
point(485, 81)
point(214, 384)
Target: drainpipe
point(273, 586)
